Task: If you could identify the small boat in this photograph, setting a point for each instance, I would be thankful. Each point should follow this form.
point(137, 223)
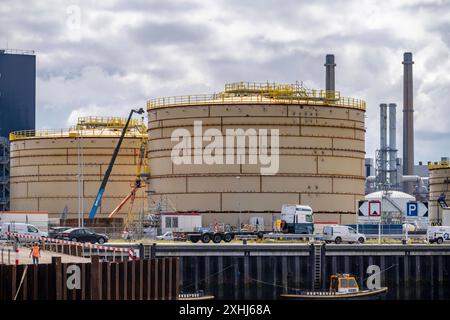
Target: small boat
point(342, 286)
point(194, 296)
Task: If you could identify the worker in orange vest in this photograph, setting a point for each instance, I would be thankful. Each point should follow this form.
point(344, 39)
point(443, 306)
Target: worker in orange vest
point(35, 252)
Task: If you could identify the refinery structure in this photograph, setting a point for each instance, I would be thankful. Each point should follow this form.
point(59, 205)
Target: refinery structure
point(320, 157)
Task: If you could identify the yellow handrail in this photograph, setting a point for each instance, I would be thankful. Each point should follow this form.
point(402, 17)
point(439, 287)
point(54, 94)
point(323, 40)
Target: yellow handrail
point(226, 99)
point(445, 164)
point(264, 93)
point(71, 133)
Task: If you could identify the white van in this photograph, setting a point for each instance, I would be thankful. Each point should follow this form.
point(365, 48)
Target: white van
point(22, 228)
point(438, 234)
point(340, 233)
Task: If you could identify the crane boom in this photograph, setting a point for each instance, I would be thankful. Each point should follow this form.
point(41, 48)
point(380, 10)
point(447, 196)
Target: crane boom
point(101, 190)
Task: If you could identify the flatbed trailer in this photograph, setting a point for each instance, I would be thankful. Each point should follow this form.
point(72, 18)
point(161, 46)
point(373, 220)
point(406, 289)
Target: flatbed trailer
point(228, 236)
point(225, 236)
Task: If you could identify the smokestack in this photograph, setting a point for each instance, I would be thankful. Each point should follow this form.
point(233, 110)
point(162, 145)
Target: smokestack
point(383, 142)
point(392, 144)
point(408, 119)
point(329, 75)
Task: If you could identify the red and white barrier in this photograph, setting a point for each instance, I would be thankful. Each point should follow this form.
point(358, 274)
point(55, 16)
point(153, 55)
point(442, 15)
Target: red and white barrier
point(131, 253)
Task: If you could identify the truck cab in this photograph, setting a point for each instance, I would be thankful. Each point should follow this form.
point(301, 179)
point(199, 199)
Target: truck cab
point(297, 219)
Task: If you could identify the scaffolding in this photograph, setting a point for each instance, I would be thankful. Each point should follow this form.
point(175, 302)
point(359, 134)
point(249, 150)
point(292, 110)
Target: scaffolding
point(263, 93)
point(4, 174)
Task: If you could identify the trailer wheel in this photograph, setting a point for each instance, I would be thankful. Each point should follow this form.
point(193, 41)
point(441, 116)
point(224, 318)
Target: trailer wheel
point(227, 237)
point(260, 234)
point(206, 238)
point(338, 240)
point(194, 239)
point(439, 240)
point(217, 238)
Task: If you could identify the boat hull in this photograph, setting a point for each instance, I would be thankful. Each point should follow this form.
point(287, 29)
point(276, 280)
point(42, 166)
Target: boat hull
point(197, 298)
point(361, 295)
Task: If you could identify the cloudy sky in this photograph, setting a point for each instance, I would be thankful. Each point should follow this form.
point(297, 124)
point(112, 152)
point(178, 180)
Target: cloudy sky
point(104, 57)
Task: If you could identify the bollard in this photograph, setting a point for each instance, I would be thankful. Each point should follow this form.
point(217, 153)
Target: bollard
point(244, 241)
point(17, 256)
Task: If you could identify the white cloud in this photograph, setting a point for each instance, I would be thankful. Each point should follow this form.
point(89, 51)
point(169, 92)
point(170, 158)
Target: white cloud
point(130, 51)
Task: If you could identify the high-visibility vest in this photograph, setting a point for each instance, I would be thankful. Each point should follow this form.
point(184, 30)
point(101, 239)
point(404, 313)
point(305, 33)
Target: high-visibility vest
point(35, 251)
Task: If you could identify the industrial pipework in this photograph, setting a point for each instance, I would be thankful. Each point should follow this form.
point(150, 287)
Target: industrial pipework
point(392, 144)
point(383, 144)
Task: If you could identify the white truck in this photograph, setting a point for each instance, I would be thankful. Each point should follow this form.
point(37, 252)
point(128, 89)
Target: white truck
point(297, 219)
point(340, 233)
point(38, 219)
point(438, 234)
point(22, 228)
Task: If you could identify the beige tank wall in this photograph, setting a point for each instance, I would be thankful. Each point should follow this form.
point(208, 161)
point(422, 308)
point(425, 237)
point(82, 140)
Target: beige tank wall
point(439, 183)
point(44, 174)
point(321, 162)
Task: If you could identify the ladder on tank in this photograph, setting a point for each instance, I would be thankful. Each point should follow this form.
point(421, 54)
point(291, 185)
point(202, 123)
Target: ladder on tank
point(317, 266)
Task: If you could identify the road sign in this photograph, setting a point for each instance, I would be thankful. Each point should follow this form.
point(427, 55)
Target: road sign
point(369, 211)
point(375, 208)
point(412, 209)
point(416, 209)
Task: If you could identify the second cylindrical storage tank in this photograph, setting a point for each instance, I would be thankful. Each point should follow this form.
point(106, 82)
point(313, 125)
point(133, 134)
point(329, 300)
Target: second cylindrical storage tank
point(321, 153)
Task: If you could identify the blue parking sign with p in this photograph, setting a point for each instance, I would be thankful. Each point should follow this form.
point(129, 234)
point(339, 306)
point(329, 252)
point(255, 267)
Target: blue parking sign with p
point(412, 209)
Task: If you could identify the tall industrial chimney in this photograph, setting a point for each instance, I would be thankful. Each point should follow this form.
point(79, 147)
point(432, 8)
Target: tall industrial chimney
point(329, 75)
point(392, 145)
point(408, 120)
point(383, 143)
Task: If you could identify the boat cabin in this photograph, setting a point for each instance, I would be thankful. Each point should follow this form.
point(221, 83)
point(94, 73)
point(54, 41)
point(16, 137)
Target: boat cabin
point(343, 283)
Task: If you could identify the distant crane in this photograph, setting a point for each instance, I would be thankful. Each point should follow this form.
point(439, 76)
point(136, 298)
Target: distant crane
point(101, 190)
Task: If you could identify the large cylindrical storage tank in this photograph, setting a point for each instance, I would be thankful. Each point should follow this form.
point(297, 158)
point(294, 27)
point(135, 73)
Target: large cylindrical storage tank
point(48, 167)
point(321, 154)
point(439, 184)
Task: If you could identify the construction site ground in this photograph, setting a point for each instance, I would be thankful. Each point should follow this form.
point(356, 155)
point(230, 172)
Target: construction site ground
point(24, 256)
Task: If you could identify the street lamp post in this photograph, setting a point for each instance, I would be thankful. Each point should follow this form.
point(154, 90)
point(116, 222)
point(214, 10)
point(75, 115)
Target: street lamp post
point(239, 203)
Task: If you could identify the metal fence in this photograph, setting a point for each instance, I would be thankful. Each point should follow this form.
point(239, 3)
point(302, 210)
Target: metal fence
point(150, 279)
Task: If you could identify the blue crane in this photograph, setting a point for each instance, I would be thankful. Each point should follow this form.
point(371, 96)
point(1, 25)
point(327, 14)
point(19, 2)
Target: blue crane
point(101, 190)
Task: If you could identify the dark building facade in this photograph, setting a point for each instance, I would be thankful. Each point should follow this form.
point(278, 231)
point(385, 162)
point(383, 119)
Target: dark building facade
point(17, 106)
point(17, 91)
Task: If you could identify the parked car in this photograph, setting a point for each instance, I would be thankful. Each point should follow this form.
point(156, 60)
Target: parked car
point(83, 235)
point(22, 228)
point(56, 231)
point(340, 233)
point(168, 235)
